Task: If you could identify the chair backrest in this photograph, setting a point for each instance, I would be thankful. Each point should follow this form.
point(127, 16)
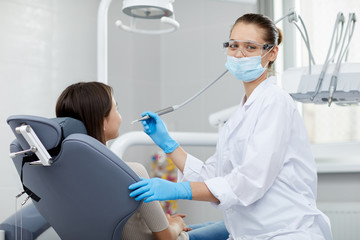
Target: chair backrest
point(84, 193)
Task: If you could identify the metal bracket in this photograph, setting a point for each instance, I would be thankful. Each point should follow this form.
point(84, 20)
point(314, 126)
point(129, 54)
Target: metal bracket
point(35, 146)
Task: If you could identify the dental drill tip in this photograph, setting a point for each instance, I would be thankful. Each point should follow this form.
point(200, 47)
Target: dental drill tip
point(141, 119)
point(329, 101)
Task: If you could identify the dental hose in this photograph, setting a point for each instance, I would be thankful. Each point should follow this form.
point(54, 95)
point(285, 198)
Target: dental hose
point(176, 107)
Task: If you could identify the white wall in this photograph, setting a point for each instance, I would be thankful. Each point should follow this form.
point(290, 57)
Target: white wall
point(44, 46)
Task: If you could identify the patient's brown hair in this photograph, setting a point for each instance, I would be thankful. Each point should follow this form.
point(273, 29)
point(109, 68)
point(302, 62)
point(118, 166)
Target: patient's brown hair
point(89, 102)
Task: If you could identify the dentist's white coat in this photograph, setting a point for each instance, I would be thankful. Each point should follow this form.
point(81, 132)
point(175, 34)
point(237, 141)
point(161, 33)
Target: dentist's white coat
point(263, 171)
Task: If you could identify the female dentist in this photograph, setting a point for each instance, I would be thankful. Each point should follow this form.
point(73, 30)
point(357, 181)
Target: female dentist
point(262, 175)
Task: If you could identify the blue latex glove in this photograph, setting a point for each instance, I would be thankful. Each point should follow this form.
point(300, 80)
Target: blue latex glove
point(157, 189)
point(155, 128)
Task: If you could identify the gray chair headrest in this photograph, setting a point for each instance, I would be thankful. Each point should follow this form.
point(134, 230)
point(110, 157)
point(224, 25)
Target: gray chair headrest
point(50, 131)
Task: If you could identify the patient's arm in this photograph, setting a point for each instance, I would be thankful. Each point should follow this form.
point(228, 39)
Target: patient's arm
point(176, 226)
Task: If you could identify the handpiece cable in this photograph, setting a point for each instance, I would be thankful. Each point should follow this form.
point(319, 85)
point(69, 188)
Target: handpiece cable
point(175, 107)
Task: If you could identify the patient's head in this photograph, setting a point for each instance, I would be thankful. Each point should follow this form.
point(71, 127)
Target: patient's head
point(93, 104)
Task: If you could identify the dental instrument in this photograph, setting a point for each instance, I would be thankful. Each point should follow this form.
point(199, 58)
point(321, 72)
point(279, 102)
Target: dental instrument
point(175, 107)
point(300, 85)
point(334, 78)
point(316, 85)
point(340, 20)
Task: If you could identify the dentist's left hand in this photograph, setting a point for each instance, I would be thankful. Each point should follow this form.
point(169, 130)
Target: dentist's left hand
point(157, 189)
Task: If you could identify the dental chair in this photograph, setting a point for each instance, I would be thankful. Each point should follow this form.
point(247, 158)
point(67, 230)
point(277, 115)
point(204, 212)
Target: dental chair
point(76, 183)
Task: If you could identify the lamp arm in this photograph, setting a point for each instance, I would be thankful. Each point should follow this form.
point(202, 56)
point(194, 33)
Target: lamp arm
point(102, 41)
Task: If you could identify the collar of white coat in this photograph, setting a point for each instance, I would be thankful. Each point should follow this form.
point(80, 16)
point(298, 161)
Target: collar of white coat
point(258, 91)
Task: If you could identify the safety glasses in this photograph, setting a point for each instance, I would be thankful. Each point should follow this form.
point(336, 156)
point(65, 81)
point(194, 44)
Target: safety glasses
point(245, 48)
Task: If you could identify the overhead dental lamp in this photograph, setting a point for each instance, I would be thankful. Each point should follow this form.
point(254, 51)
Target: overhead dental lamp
point(149, 9)
point(143, 9)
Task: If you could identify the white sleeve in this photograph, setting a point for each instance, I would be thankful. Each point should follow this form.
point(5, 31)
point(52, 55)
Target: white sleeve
point(196, 170)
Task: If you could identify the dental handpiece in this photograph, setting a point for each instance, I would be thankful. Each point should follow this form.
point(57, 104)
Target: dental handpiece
point(160, 112)
point(175, 107)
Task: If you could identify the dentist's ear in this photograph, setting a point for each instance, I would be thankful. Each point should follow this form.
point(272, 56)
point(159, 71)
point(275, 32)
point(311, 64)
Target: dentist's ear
point(273, 54)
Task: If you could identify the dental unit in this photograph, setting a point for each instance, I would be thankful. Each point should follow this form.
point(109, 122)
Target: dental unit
point(336, 82)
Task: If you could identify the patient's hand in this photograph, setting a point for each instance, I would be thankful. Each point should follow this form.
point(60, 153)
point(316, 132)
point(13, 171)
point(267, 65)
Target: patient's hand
point(187, 229)
point(177, 221)
point(176, 226)
point(175, 217)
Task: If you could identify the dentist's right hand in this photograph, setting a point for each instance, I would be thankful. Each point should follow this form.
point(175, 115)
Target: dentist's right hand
point(155, 128)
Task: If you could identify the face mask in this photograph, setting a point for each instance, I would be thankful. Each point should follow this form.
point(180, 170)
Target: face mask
point(246, 69)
